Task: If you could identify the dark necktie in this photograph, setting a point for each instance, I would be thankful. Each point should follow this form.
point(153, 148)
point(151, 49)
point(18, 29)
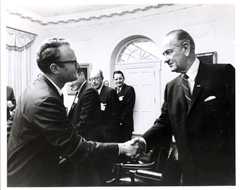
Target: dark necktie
point(62, 99)
point(186, 89)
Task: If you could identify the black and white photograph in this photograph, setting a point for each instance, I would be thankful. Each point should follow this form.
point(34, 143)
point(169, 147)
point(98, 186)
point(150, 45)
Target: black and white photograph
point(119, 94)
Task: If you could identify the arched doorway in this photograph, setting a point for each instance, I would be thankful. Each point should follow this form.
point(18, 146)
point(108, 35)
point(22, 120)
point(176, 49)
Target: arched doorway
point(139, 59)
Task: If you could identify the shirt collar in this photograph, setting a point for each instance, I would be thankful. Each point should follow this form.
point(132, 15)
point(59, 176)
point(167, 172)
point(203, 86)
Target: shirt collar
point(193, 70)
point(100, 89)
point(118, 89)
point(58, 89)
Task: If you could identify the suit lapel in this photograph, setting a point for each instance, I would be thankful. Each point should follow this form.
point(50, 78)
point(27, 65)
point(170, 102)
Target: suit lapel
point(121, 93)
point(82, 88)
point(102, 92)
point(76, 98)
point(181, 95)
point(196, 93)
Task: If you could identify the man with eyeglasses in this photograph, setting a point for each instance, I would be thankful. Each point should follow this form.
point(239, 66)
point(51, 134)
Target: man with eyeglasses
point(109, 105)
point(42, 133)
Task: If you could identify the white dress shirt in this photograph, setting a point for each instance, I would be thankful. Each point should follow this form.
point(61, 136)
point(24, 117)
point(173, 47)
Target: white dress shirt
point(100, 89)
point(192, 73)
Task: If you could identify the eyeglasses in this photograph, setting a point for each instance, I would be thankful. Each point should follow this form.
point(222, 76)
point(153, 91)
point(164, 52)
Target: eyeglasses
point(95, 79)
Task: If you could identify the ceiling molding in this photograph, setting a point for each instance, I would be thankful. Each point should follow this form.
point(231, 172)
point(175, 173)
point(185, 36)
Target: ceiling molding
point(89, 18)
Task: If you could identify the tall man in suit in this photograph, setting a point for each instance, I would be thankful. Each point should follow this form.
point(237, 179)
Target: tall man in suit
point(109, 105)
point(42, 133)
point(199, 110)
point(126, 96)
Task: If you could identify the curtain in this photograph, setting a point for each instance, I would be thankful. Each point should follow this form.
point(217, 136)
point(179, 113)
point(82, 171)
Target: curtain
point(19, 65)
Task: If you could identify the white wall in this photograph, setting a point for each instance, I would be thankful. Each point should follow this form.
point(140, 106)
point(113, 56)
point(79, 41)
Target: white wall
point(212, 27)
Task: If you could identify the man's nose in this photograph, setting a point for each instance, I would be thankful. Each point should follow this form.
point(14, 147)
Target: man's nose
point(166, 60)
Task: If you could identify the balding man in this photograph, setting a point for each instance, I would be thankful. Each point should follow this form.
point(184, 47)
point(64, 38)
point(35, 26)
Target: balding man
point(109, 104)
point(199, 111)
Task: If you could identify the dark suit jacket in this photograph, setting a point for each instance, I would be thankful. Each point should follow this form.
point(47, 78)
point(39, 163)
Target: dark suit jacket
point(84, 114)
point(126, 101)
point(205, 136)
point(41, 133)
point(110, 115)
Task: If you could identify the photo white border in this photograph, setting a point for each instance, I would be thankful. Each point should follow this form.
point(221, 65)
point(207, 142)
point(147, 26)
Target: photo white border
point(3, 156)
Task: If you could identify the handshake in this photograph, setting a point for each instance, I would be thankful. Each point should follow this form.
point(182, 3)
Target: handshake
point(133, 148)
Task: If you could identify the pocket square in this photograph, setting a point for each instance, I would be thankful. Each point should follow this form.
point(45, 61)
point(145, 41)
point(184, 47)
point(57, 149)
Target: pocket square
point(209, 98)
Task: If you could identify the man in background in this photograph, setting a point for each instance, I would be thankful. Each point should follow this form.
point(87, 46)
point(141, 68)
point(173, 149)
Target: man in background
point(126, 96)
point(42, 133)
point(109, 105)
point(106, 83)
point(199, 111)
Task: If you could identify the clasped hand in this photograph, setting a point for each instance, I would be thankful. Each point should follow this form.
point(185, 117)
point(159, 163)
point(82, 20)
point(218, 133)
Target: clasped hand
point(133, 148)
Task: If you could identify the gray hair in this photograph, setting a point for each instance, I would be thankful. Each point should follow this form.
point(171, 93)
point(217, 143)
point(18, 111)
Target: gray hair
point(183, 36)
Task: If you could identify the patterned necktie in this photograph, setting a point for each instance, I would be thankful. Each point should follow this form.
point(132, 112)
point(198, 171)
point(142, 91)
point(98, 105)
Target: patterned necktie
point(187, 91)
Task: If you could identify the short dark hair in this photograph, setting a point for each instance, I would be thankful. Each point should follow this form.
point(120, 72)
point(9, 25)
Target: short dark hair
point(49, 53)
point(118, 72)
point(182, 35)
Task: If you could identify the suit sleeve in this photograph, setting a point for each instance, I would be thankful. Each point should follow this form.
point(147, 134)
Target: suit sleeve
point(160, 133)
point(129, 103)
point(50, 118)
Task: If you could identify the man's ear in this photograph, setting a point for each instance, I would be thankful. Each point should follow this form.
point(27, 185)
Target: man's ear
point(186, 45)
point(54, 68)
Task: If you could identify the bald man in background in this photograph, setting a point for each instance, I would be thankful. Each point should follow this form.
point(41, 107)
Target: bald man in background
point(109, 105)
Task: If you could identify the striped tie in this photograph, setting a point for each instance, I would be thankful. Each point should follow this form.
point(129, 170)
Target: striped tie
point(186, 89)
